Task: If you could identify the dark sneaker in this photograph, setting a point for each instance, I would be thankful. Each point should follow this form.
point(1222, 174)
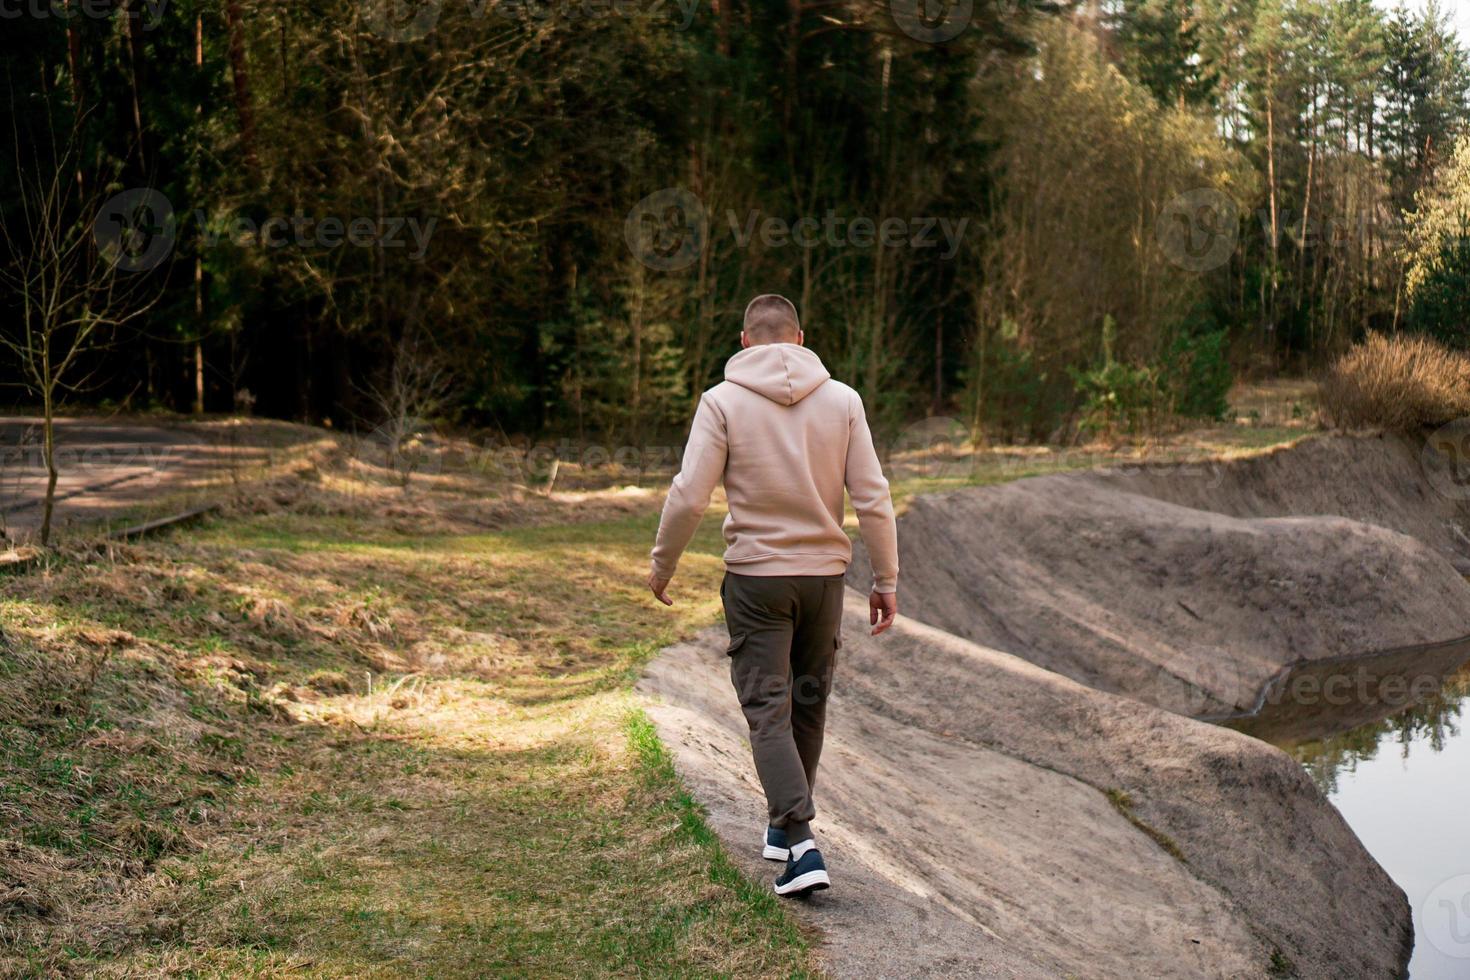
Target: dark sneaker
point(775, 848)
point(807, 873)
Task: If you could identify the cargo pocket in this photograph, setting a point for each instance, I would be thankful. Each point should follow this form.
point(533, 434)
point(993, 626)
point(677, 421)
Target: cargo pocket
point(737, 640)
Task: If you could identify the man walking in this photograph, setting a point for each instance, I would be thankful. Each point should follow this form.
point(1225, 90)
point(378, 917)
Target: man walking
point(786, 439)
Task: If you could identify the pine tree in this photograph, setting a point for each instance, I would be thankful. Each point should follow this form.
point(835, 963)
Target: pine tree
point(1159, 46)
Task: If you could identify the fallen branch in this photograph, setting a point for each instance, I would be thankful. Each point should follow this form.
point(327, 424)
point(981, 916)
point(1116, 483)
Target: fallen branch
point(148, 527)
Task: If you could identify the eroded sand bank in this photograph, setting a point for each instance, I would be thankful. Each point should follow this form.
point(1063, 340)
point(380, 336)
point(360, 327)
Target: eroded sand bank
point(1191, 587)
point(984, 816)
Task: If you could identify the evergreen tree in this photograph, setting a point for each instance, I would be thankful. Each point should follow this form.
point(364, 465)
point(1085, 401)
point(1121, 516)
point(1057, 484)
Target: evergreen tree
point(1159, 46)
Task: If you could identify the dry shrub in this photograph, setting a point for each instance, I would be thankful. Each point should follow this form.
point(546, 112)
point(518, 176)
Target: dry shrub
point(259, 610)
point(370, 619)
point(1402, 383)
point(329, 682)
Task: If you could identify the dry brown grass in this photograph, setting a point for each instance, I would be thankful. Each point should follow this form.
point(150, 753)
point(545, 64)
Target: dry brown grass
point(303, 740)
point(1401, 383)
point(441, 503)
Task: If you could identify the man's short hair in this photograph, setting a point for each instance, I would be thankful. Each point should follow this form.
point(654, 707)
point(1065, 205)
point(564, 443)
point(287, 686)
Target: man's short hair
point(771, 319)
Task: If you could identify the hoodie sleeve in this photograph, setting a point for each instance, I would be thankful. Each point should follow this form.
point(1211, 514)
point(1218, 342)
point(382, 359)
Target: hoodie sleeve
point(868, 489)
point(702, 468)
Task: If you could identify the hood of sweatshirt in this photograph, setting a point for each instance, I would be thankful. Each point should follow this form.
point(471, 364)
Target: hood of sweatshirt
point(784, 373)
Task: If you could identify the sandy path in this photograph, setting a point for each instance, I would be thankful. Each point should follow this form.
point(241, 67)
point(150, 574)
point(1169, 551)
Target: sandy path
point(970, 807)
point(110, 467)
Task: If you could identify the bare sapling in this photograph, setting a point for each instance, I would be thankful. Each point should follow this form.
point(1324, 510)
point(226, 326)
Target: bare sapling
point(74, 294)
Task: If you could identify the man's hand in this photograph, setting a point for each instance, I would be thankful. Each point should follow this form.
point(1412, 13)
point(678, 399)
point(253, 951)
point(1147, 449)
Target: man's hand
point(657, 586)
point(882, 610)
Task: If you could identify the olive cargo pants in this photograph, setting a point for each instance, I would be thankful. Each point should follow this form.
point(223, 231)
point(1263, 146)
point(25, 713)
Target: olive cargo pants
point(783, 649)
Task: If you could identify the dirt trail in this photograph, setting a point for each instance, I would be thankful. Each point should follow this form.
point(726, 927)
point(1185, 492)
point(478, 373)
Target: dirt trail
point(109, 467)
point(988, 817)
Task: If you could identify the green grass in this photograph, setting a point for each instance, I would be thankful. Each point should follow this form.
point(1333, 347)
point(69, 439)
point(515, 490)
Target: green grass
point(368, 753)
point(658, 772)
point(1123, 803)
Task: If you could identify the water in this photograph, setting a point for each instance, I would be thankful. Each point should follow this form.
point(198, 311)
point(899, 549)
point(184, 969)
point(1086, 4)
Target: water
point(1387, 739)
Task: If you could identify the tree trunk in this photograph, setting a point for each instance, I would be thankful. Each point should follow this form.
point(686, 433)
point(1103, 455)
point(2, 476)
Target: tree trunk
point(74, 67)
point(48, 429)
point(241, 75)
point(636, 323)
point(135, 68)
point(938, 364)
point(198, 259)
point(1271, 184)
point(198, 378)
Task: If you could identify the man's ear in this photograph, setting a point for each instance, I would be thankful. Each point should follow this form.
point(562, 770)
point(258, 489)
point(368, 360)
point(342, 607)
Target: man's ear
point(800, 338)
point(744, 340)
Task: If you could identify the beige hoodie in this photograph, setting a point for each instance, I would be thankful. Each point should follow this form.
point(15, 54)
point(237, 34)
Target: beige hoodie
point(786, 439)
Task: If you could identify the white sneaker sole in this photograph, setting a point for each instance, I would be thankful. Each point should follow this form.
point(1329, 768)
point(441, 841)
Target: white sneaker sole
point(811, 881)
point(773, 853)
